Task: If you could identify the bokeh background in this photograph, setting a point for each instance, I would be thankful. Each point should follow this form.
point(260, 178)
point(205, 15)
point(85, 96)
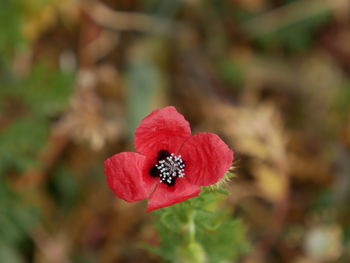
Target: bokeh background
point(271, 77)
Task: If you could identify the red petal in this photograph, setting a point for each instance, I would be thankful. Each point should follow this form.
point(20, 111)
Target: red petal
point(147, 178)
point(163, 129)
point(165, 195)
point(124, 176)
point(207, 158)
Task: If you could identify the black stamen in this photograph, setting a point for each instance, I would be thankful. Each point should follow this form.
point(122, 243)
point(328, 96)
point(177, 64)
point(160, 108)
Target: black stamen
point(154, 172)
point(162, 155)
point(171, 183)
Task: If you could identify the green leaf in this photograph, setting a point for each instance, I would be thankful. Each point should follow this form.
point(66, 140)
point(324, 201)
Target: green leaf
point(64, 188)
point(10, 27)
point(9, 255)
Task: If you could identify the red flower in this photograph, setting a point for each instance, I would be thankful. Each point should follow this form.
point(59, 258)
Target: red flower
point(170, 164)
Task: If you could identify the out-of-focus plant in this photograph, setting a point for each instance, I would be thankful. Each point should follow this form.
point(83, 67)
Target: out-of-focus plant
point(11, 37)
point(29, 103)
point(40, 97)
point(17, 220)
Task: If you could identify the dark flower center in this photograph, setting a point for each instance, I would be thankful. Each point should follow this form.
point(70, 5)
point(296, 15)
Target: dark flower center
point(168, 168)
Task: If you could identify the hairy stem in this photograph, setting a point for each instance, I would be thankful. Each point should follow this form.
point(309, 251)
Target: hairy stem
point(192, 251)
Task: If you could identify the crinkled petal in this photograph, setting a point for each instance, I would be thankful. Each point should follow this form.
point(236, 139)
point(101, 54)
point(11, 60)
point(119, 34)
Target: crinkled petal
point(124, 176)
point(165, 195)
point(163, 129)
point(207, 158)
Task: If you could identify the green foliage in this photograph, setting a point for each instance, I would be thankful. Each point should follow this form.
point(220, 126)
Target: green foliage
point(40, 96)
point(163, 8)
point(231, 72)
point(324, 200)
point(9, 254)
point(16, 221)
point(44, 91)
point(10, 27)
point(294, 37)
point(20, 143)
point(346, 234)
point(197, 230)
point(64, 187)
point(26, 106)
point(342, 101)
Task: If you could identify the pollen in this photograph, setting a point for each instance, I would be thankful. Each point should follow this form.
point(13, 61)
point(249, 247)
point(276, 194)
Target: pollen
point(171, 168)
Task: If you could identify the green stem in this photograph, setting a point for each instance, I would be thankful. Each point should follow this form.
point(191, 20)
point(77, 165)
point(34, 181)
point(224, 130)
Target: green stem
point(191, 227)
point(192, 251)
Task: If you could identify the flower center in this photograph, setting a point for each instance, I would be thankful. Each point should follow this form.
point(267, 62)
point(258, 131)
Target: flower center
point(169, 167)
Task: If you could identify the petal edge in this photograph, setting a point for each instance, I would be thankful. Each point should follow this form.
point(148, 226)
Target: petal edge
point(207, 158)
point(165, 195)
point(124, 176)
point(163, 129)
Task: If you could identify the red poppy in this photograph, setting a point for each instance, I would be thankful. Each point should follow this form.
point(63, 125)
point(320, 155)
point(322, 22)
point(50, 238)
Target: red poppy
point(170, 165)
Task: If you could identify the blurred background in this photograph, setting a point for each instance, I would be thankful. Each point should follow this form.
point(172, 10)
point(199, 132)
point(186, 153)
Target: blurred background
point(271, 77)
